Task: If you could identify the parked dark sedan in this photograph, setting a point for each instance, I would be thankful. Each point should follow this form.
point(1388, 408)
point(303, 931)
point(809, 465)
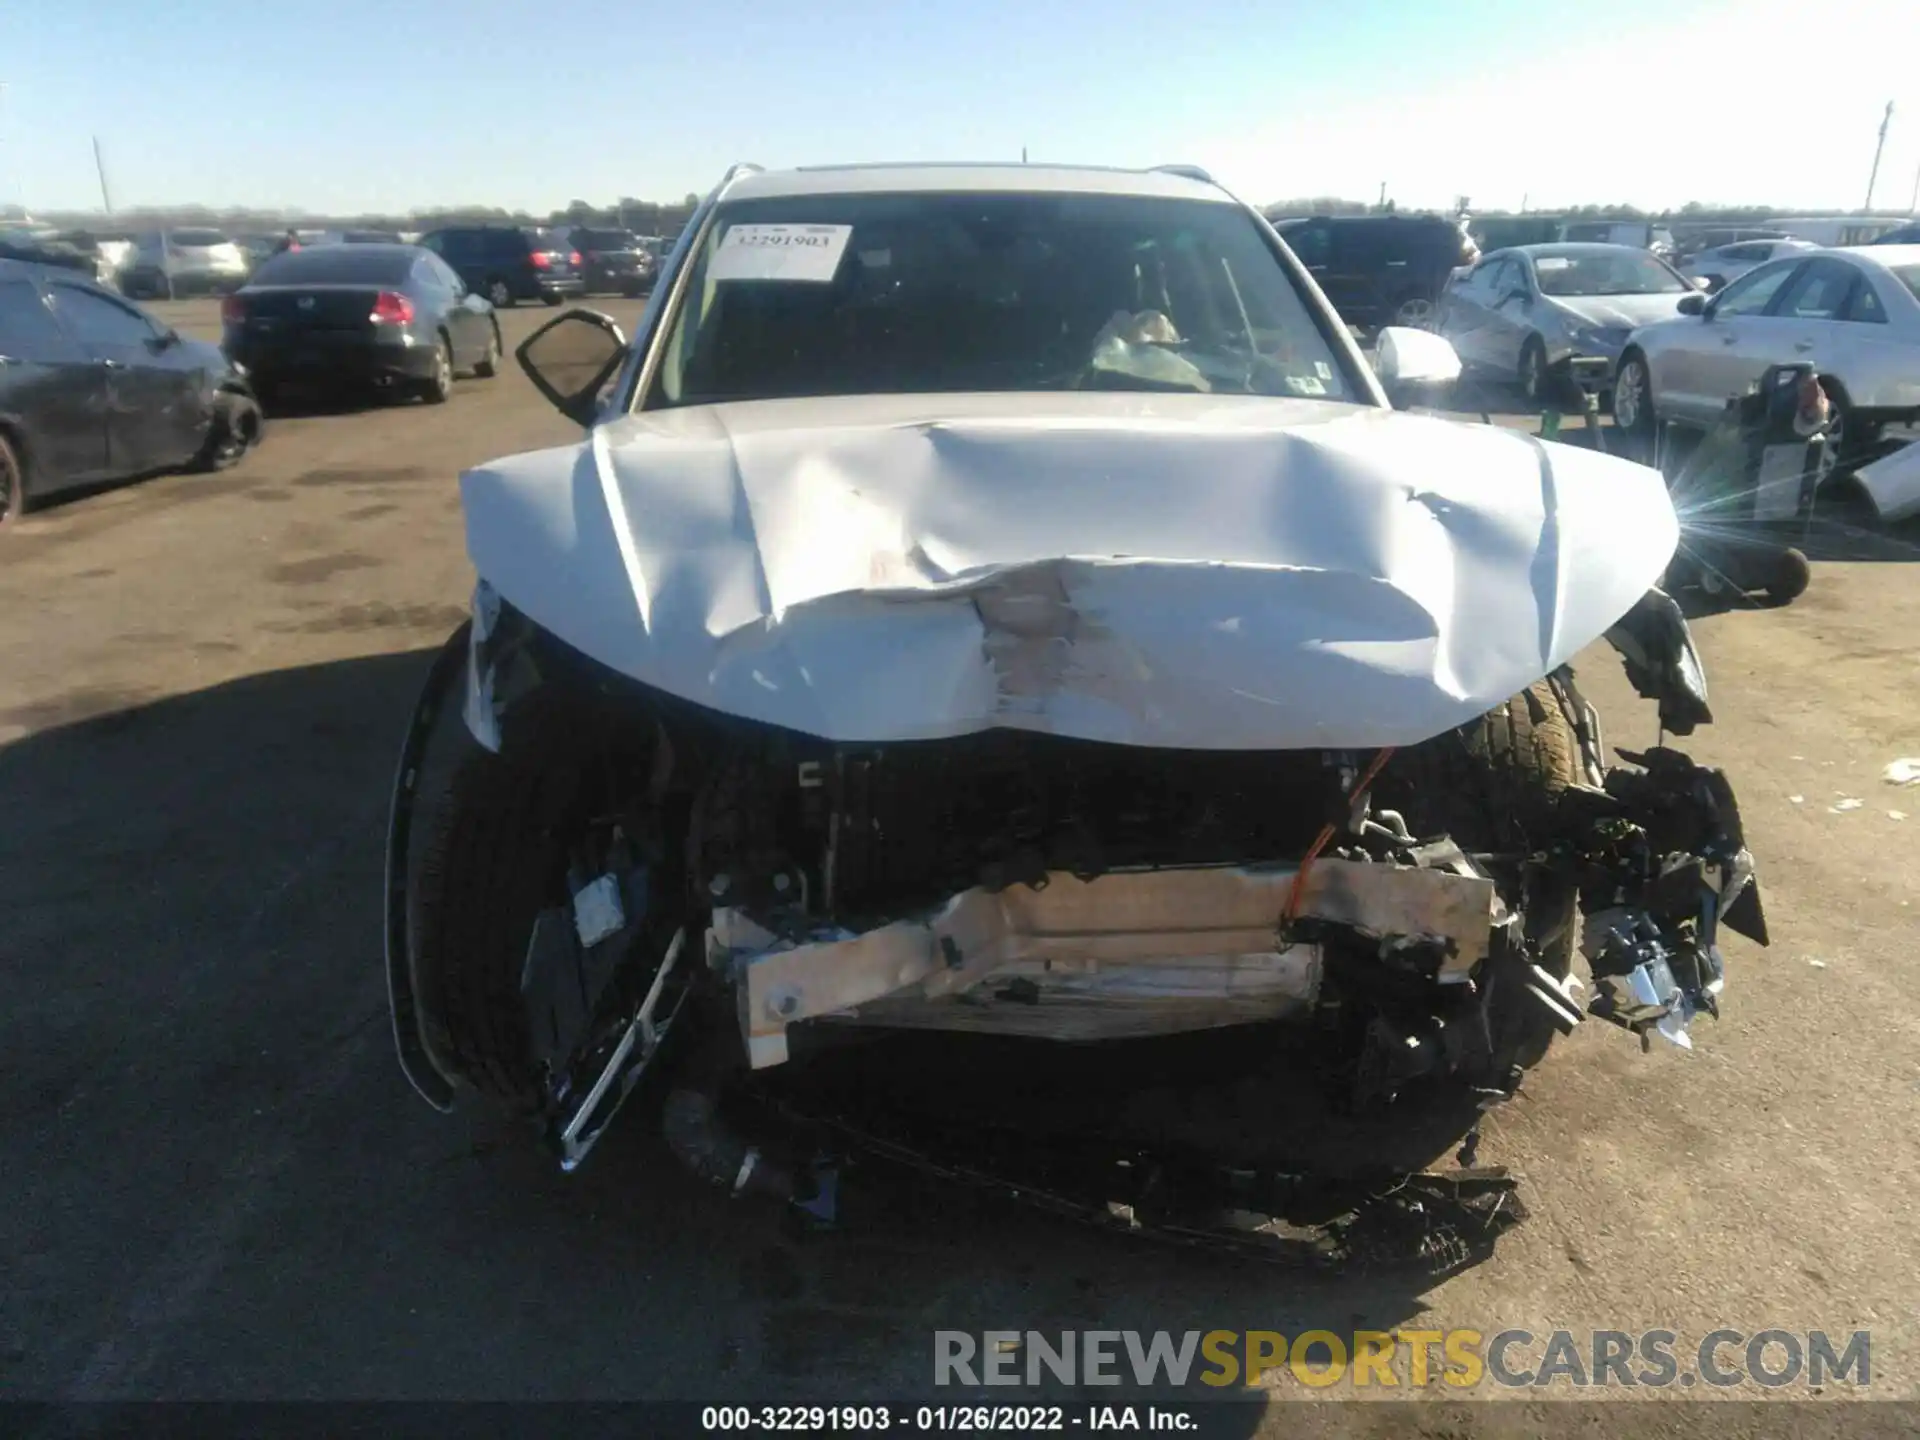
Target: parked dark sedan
point(389, 318)
point(612, 260)
point(92, 388)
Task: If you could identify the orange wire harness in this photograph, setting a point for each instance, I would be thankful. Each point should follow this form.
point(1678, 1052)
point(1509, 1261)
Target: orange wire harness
point(1299, 888)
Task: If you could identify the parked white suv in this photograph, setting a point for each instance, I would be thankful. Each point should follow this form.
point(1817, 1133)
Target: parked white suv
point(1002, 600)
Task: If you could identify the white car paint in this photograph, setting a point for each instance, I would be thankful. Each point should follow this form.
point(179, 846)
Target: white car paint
point(1696, 363)
point(1149, 569)
point(1726, 263)
point(1892, 483)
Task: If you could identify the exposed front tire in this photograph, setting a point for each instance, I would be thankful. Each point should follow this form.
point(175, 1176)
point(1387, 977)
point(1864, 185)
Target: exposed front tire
point(499, 294)
point(1494, 785)
point(235, 429)
point(502, 835)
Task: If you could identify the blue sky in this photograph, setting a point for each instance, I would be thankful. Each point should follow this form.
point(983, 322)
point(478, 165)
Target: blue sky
point(352, 104)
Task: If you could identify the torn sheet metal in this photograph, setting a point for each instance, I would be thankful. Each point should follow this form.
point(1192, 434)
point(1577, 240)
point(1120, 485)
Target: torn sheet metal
point(1892, 483)
point(1161, 570)
point(1126, 953)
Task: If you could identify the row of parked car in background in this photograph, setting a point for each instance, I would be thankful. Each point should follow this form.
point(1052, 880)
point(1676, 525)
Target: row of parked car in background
point(1680, 326)
point(508, 263)
point(94, 388)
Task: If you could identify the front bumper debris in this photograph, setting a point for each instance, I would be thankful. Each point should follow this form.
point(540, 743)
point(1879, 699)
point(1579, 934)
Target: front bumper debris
point(1123, 954)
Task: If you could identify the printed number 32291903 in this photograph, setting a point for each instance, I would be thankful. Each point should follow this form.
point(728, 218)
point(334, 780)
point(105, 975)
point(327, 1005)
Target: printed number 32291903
point(780, 252)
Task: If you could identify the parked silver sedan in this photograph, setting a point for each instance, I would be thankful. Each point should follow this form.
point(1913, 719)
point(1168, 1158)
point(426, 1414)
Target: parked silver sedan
point(1723, 264)
point(1524, 312)
point(1853, 314)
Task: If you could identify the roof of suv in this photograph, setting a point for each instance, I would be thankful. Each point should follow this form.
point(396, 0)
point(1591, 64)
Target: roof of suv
point(1004, 178)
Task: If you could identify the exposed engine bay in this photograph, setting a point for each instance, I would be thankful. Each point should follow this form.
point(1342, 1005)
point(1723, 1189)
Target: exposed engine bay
point(721, 899)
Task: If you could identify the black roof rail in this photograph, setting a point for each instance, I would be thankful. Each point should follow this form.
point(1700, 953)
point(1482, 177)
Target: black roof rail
point(1188, 172)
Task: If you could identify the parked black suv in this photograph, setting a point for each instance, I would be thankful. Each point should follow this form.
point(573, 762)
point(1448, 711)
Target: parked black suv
point(1380, 269)
point(508, 263)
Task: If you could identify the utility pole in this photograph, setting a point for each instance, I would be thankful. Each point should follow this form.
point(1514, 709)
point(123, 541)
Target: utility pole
point(1885, 120)
point(1913, 204)
point(100, 169)
point(1023, 154)
point(1383, 195)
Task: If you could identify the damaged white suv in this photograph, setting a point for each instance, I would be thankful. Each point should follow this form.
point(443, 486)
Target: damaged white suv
point(1004, 599)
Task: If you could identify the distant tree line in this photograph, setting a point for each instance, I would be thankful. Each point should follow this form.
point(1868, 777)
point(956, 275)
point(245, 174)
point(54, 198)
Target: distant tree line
point(654, 217)
point(1693, 210)
point(643, 217)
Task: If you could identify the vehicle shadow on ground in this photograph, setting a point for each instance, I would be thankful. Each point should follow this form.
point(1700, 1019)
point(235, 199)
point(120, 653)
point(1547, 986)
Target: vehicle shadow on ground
point(319, 402)
point(193, 892)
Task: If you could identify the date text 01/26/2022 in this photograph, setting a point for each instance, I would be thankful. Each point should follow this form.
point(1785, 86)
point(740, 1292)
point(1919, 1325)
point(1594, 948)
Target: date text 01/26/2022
point(961, 1419)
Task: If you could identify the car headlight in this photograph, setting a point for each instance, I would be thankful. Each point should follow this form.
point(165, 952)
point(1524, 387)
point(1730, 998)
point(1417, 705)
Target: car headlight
point(1601, 339)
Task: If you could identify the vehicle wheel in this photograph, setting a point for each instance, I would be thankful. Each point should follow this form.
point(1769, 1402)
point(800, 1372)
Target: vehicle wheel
point(1494, 785)
point(490, 366)
point(1416, 312)
point(1633, 398)
point(550, 299)
point(499, 294)
point(503, 834)
point(439, 386)
point(1536, 379)
point(234, 431)
point(1791, 576)
point(14, 500)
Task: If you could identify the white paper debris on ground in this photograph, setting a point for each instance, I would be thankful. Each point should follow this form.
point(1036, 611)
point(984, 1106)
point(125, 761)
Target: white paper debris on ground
point(1796, 799)
point(1840, 807)
point(1896, 814)
point(1904, 771)
point(1818, 964)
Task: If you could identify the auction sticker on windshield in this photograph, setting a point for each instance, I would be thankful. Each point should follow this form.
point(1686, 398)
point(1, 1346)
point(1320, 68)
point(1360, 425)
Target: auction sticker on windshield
point(780, 252)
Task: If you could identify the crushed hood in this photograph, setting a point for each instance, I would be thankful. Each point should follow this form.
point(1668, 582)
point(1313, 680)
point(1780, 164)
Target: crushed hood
point(1165, 570)
point(1620, 312)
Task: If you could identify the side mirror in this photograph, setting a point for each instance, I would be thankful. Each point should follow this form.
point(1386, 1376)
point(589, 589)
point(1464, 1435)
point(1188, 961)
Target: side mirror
point(1694, 304)
point(1416, 367)
point(570, 358)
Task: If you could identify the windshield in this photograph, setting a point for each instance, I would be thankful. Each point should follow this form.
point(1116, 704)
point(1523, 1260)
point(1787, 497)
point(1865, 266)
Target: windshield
point(1604, 272)
point(604, 240)
point(1909, 276)
point(198, 238)
point(338, 265)
point(914, 293)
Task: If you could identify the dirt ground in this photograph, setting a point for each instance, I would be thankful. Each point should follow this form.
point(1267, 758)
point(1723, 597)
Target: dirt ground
point(218, 1185)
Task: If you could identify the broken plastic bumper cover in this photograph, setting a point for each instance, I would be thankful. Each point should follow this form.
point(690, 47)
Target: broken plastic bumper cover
point(1664, 863)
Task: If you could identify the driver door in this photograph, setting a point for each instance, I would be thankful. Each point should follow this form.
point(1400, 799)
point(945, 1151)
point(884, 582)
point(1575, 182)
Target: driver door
point(1702, 362)
point(157, 411)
